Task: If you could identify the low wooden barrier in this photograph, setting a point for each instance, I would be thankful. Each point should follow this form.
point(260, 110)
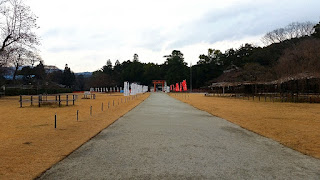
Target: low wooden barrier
point(41, 99)
point(273, 97)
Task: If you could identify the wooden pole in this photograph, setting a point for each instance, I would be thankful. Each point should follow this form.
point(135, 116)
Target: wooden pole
point(73, 99)
point(55, 121)
point(59, 100)
point(67, 100)
point(31, 100)
point(39, 100)
point(20, 101)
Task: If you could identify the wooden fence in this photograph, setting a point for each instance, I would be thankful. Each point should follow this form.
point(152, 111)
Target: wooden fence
point(45, 99)
point(272, 97)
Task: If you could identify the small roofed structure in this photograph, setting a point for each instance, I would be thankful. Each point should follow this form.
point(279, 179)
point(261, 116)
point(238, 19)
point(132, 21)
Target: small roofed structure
point(300, 83)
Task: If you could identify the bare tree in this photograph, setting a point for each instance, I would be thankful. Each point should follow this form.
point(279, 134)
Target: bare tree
point(18, 56)
point(293, 30)
point(17, 23)
point(301, 58)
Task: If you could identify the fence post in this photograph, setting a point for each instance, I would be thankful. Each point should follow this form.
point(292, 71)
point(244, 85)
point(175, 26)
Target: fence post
point(20, 101)
point(39, 100)
point(77, 115)
point(31, 100)
point(102, 107)
point(55, 121)
point(73, 99)
point(59, 100)
point(90, 110)
point(67, 100)
point(108, 104)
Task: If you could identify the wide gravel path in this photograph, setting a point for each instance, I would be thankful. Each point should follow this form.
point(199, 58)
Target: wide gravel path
point(163, 138)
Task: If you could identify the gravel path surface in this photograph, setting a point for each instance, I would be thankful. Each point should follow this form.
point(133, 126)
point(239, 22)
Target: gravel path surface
point(163, 138)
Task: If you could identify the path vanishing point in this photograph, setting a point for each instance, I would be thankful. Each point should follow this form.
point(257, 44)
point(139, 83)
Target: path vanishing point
point(163, 138)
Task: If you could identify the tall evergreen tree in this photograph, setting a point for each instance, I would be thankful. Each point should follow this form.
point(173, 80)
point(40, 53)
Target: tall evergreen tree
point(176, 68)
point(68, 77)
point(39, 71)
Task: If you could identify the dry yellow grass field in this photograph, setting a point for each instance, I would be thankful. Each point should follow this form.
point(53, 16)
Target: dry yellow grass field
point(29, 142)
point(295, 125)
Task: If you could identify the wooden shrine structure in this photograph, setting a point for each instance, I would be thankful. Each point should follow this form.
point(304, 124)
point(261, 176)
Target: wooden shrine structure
point(156, 82)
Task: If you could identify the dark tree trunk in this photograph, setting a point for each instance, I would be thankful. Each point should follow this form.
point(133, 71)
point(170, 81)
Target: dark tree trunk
point(15, 72)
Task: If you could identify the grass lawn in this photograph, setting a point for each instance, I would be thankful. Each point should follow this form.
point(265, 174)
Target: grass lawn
point(295, 125)
point(29, 142)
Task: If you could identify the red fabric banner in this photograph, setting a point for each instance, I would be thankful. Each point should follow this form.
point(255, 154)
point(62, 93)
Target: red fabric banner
point(185, 85)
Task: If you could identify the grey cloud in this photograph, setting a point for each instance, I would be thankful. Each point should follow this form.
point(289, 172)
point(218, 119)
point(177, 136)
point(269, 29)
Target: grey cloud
point(86, 41)
point(152, 39)
point(243, 20)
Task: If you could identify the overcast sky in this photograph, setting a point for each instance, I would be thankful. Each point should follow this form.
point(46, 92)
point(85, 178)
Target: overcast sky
point(86, 33)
